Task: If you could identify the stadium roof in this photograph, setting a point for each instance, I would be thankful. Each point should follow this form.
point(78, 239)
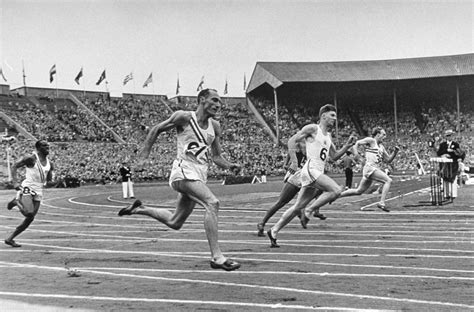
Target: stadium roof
point(277, 73)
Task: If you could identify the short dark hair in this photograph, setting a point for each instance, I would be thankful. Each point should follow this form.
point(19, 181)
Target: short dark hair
point(376, 131)
point(39, 143)
point(327, 108)
point(204, 93)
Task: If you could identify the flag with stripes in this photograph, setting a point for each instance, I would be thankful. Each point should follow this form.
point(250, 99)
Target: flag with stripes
point(127, 78)
point(79, 75)
point(199, 88)
point(148, 80)
point(2, 74)
point(101, 78)
point(52, 72)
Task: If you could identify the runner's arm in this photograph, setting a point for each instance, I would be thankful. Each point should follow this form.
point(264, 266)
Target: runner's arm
point(390, 158)
point(178, 118)
point(28, 161)
point(335, 155)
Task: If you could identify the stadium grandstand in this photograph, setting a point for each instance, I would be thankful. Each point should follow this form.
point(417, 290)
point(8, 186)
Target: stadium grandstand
point(92, 133)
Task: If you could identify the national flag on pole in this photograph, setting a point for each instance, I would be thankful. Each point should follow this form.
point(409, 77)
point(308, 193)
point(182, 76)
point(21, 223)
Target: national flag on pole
point(177, 86)
point(101, 78)
point(127, 78)
point(199, 88)
point(79, 75)
point(245, 82)
point(225, 87)
point(3, 75)
point(52, 72)
point(148, 80)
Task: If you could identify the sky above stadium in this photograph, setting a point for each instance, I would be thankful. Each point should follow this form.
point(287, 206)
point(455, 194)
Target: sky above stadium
point(220, 40)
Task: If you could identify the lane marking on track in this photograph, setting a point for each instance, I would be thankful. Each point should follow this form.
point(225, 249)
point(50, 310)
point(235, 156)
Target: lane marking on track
point(322, 274)
point(273, 273)
point(396, 197)
point(251, 286)
point(181, 302)
point(339, 211)
point(107, 251)
point(204, 256)
point(329, 241)
point(457, 236)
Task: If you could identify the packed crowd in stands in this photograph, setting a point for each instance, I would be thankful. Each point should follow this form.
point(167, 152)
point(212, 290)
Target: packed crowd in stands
point(84, 148)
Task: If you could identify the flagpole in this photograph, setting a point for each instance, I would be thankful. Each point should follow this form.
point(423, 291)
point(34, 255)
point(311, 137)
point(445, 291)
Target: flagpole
point(24, 76)
point(57, 92)
point(134, 85)
point(84, 83)
point(153, 87)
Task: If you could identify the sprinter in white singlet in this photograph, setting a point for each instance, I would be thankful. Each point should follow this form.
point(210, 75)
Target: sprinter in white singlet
point(375, 154)
point(198, 143)
point(38, 174)
point(318, 148)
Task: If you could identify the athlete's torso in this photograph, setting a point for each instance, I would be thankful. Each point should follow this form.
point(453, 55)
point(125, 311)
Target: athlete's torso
point(374, 155)
point(194, 142)
point(36, 175)
point(317, 149)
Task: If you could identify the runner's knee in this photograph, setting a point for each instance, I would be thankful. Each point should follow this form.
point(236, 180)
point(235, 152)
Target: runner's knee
point(212, 205)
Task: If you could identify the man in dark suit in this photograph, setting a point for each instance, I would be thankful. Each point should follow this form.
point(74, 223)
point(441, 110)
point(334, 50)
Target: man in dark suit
point(127, 184)
point(449, 149)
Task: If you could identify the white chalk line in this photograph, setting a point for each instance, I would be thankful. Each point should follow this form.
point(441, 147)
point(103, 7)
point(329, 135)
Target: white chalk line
point(292, 273)
point(333, 223)
point(264, 287)
point(329, 241)
point(293, 254)
point(456, 238)
point(138, 225)
point(292, 243)
point(232, 209)
point(204, 256)
point(181, 301)
point(273, 273)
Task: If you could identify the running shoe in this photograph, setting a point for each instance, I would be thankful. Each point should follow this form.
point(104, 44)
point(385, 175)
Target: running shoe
point(228, 265)
point(12, 243)
point(304, 220)
point(382, 207)
point(128, 210)
point(273, 241)
point(319, 215)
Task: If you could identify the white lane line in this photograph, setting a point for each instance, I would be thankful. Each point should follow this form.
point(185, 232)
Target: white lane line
point(329, 241)
point(181, 302)
point(153, 230)
point(292, 273)
point(259, 211)
point(397, 197)
point(139, 225)
point(204, 256)
point(261, 287)
point(273, 273)
point(107, 251)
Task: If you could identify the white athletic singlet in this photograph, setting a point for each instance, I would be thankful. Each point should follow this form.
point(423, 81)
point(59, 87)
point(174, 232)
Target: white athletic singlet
point(373, 159)
point(192, 160)
point(317, 150)
point(36, 176)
